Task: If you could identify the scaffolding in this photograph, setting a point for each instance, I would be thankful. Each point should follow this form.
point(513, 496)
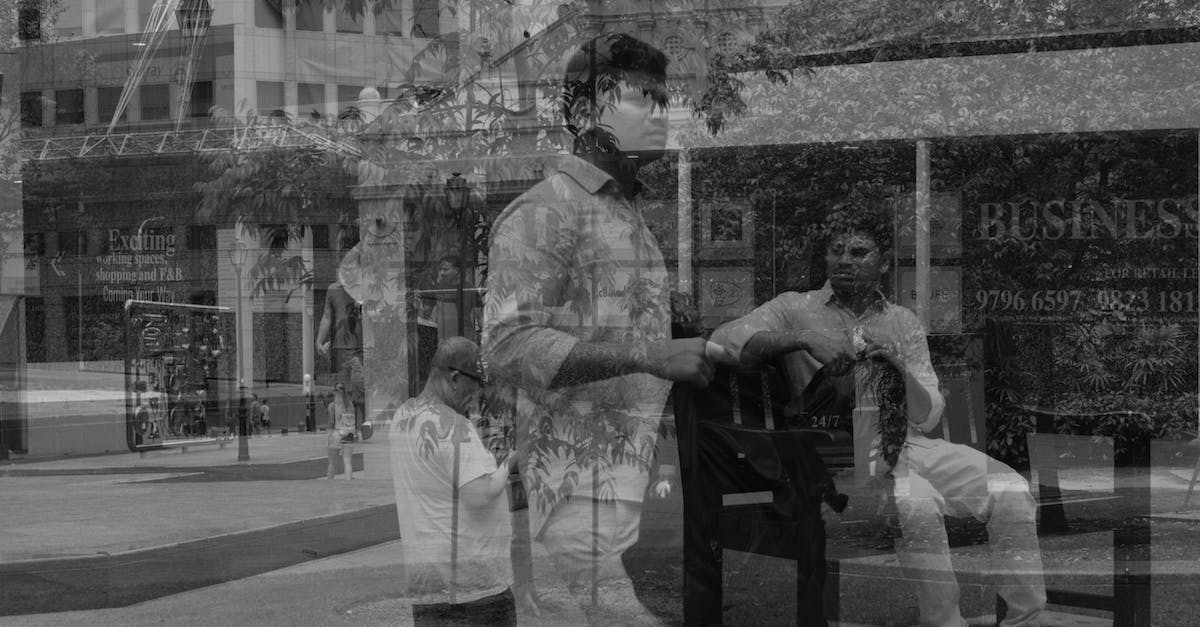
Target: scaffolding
point(170, 142)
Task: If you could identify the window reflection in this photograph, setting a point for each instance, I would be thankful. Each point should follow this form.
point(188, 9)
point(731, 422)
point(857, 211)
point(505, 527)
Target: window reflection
point(561, 185)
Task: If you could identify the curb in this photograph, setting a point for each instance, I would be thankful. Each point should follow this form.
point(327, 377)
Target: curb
point(115, 580)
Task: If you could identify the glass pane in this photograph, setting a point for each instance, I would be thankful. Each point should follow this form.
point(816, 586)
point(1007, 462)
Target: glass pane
point(68, 106)
point(309, 15)
point(202, 99)
point(156, 102)
point(425, 19)
point(270, 99)
point(268, 14)
point(31, 108)
point(106, 103)
point(110, 17)
point(70, 20)
point(347, 23)
point(311, 98)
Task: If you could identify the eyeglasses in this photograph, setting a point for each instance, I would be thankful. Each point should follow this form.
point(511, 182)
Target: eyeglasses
point(464, 373)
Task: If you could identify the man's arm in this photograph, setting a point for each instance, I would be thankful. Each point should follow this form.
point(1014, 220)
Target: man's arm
point(774, 329)
point(480, 491)
point(530, 262)
point(910, 355)
point(323, 328)
point(674, 360)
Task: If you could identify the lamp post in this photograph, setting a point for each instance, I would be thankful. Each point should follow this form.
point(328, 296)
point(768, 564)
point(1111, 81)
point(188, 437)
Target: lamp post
point(457, 194)
point(194, 18)
point(237, 258)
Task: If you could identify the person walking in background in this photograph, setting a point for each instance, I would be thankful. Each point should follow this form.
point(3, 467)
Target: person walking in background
point(455, 526)
point(264, 415)
point(343, 429)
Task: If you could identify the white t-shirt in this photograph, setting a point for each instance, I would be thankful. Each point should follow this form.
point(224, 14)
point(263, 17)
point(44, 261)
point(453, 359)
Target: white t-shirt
point(422, 441)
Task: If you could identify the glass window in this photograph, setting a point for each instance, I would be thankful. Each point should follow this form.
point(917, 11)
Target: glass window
point(347, 96)
point(144, 8)
point(309, 15)
point(425, 18)
point(347, 23)
point(311, 98)
point(270, 98)
point(156, 102)
point(70, 21)
point(267, 14)
point(202, 99)
point(389, 22)
point(110, 17)
point(68, 106)
point(106, 103)
point(29, 17)
point(31, 108)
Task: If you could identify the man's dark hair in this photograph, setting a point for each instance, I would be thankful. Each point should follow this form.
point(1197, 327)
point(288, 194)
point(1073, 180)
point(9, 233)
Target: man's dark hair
point(596, 69)
point(860, 213)
point(454, 260)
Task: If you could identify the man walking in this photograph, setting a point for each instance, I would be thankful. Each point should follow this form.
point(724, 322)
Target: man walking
point(577, 319)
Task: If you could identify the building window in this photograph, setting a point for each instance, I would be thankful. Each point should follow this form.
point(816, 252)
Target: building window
point(106, 103)
point(68, 106)
point(202, 99)
point(347, 23)
point(347, 96)
point(389, 22)
point(31, 108)
point(311, 98)
point(425, 18)
point(144, 9)
point(110, 17)
point(270, 99)
point(29, 18)
point(70, 20)
point(268, 13)
point(310, 15)
point(156, 102)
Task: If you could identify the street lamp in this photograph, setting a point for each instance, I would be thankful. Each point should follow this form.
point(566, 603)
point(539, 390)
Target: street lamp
point(237, 258)
point(457, 194)
point(194, 18)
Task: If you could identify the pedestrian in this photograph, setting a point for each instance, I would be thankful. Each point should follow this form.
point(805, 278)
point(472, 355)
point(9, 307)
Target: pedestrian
point(342, 431)
point(255, 412)
point(456, 528)
point(264, 415)
point(577, 320)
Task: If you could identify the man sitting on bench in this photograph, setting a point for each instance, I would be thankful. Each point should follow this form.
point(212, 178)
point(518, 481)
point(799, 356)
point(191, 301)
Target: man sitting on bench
point(851, 334)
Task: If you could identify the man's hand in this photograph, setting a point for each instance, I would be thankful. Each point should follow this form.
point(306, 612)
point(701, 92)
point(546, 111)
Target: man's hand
point(323, 348)
point(835, 355)
point(680, 360)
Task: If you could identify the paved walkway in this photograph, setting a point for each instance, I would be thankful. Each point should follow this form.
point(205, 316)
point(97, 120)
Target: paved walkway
point(269, 518)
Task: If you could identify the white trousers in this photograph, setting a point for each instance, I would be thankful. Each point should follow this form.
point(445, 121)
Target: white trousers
point(935, 477)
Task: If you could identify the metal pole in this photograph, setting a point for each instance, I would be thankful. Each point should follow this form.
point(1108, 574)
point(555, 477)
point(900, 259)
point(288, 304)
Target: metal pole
point(243, 439)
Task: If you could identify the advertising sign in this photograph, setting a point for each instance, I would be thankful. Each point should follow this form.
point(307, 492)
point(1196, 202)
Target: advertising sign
point(179, 361)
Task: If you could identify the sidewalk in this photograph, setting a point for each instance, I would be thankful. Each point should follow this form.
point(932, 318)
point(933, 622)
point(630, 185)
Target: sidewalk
point(142, 534)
